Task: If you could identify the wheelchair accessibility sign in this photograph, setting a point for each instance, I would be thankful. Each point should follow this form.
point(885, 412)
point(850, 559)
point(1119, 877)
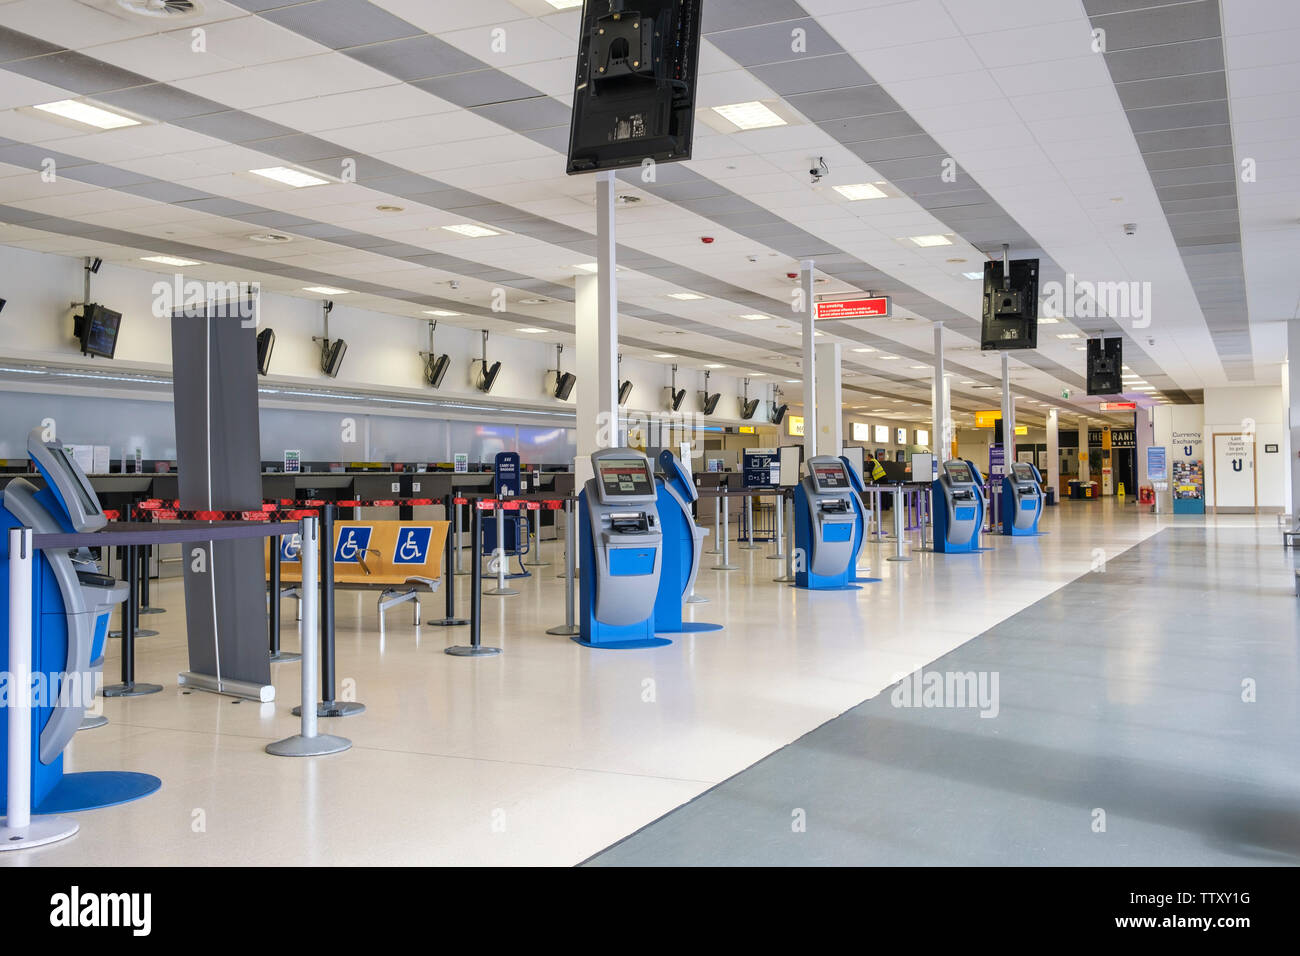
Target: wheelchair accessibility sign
point(291, 549)
point(412, 546)
point(352, 544)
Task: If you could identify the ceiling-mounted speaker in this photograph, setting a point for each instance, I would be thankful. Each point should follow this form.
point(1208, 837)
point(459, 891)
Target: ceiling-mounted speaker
point(265, 345)
point(624, 392)
point(435, 369)
point(634, 94)
point(1105, 366)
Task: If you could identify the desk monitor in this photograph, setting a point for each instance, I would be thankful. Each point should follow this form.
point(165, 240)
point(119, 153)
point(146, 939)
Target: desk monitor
point(958, 473)
point(828, 474)
point(624, 477)
point(64, 477)
point(1023, 472)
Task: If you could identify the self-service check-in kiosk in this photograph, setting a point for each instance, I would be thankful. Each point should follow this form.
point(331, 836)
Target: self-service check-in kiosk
point(1022, 500)
point(824, 526)
point(71, 605)
point(860, 522)
point(958, 507)
point(622, 552)
point(683, 544)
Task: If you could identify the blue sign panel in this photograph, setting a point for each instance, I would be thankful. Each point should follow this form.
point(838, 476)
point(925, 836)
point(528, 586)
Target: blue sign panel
point(412, 546)
point(1157, 464)
point(352, 544)
point(761, 468)
point(291, 548)
point(507, 473)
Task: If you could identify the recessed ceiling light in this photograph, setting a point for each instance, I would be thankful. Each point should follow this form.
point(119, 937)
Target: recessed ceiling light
point(471, 230)
point(967, 382)
point(531, 331)
point(269, 237)
point(926, 242)
point(1048, 320)
point(755, 316)
point(864, 349)
point(565, 4)
point(860, 191)
point(755, 374)
point(793, 381)
point(170, 260)
point(751, 115)
point(1081, 348)
point(973, 275)
point(86, 114)
point(289, 177)
point(715, 365)
point(387, 208)
point(916, 366)
point(685, 296)
point(888, 358)
point(440, 313)
point(532, 301)
point(325, 290)
point(587, 267)
point(665, 355)
point(1068, 335)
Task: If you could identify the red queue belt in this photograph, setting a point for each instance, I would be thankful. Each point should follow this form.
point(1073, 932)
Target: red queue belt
point(159, 509)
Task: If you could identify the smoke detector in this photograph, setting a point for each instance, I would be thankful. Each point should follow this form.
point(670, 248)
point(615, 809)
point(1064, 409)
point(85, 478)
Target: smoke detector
point(172, 9)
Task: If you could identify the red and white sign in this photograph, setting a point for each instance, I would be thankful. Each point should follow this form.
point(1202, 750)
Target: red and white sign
point(875, 308)
point(1118, 406)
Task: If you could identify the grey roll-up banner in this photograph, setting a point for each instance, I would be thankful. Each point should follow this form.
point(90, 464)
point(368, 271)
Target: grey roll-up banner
point(218, 449)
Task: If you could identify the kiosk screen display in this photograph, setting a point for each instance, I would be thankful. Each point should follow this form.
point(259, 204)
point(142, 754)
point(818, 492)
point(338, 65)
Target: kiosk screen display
point(1023, 472)
point(958, 472)
point(625, 476)
point(829, 476)
point(74, 479)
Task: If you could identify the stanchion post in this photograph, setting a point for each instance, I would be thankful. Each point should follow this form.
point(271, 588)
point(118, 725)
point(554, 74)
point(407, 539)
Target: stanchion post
point(475, 647)
point(569, 628)
point(328, 705)
point(128, 687)
point(307, 742)
point(499, 553)
point(726, 564)
point(787, 502)
point(457, 525)
point(18, 831)
point(779, 517)
point(537, 561)
point(717, 525)
point(898, 532)
point(749, 524)
point(448, 573)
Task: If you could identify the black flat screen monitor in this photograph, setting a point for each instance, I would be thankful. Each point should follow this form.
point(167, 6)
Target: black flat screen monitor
point(97, 329)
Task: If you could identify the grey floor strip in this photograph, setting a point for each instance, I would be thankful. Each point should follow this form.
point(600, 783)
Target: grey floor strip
point(1120, 703)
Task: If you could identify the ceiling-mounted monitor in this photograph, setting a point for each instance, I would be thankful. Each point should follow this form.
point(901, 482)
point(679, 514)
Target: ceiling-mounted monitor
point(748, 408)
point(486, 375)
point(96, 330)
point(1009, 315)
point(634, 93)
point(331, 356)
point(777, 414)
point(265, 345)
point(435, 369)
point(624, 393)
point(564, 383)
point(709, 402)
point(674, 397)
point(1105, 366)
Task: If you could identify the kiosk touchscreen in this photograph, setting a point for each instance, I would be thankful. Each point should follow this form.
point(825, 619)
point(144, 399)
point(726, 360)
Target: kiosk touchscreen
point(622, 552)
point(683, 544)
point(71, 604)
point(825, 526)
point(1022, 497)
point(958, 507)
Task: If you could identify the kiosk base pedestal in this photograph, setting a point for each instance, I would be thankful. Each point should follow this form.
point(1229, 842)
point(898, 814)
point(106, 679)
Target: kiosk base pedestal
point(830, 587)
point(93, 790)
point(130, 690)
point(38, 832)
point(300, 746)
point(687, 627)
point(334, 708)
point(624, 645)
point(94, 722)
point(466, 651)
point(564, 630)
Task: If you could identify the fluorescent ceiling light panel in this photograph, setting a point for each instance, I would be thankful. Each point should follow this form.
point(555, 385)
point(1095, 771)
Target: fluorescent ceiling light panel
point(565, 4)
point(860, 191)
point(864, 349)
point(685, 296)
point(715, 365)
point(440, 313)
point(973, 275)
point(531, 331)
point(926, 242)
point(1048, 320)
point(587, 267)
point(471, 230)
point(86, 114)
point(325, 290)
point(755, 316)
point(170, 260)
point(888, 358)
point(1068, 335)
point(289, 177)
point(665, 355)
point(751, 115)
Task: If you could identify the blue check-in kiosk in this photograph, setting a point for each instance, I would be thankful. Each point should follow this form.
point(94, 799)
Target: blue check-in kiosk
point(824, 527)
point(1022, 500)
point(71, 604)
point(683, 544)
point(622, 547)
point(958, 507)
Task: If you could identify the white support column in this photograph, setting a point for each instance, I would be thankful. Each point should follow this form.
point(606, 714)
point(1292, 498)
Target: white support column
point(830, 423)
point(940, 422)
point(809, 360)
point(1008, 414)
point(596, 326)
point(1291, 432)
point(1054, 450)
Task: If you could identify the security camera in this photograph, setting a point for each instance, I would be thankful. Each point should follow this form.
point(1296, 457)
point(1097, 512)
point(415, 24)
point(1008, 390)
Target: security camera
point(818, 169)
point(454, 284)
point(1130, 228)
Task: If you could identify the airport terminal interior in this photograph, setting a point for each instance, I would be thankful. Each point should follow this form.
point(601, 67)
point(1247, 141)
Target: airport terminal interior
point(649, 432)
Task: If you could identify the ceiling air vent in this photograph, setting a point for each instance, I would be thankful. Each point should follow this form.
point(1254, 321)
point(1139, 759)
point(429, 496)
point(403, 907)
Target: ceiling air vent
point(161, 8)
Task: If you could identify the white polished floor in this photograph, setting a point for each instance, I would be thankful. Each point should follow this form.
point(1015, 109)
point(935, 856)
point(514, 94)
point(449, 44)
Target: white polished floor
point(551, 751)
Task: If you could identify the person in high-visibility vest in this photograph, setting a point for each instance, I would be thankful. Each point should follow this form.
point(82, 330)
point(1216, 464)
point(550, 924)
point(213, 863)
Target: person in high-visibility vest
point(876, 469)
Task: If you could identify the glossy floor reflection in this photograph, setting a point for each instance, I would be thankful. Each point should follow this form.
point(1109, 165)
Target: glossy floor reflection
point(551, 752)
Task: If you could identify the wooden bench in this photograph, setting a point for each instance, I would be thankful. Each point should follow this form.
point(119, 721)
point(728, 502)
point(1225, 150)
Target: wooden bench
point(400, 559)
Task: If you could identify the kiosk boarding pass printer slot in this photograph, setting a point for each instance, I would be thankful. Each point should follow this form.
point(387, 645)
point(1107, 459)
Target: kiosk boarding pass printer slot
point(958, 507)
point(1022, 500)
point(622, 552)
point(825, 527)
point(71, 605)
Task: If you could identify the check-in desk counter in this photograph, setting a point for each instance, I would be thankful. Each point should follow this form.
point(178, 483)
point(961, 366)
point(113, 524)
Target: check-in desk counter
point(709, 481)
